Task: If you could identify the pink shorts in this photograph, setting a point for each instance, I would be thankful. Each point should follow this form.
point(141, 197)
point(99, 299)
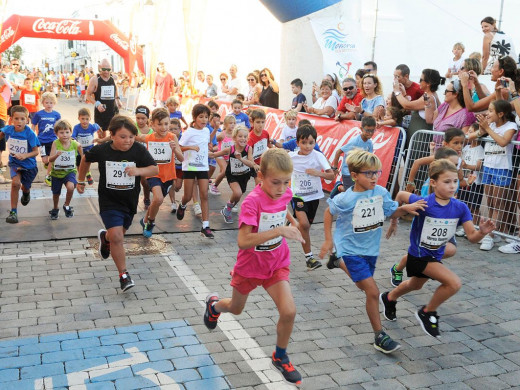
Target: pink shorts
point(245, 285)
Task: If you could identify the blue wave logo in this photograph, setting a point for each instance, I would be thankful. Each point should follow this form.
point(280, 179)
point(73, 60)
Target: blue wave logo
point(335, 40)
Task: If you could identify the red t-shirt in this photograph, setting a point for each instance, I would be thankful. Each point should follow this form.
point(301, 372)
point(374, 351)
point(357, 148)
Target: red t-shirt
point(259, 144)
point(163, 87)
point(414, 91)
point(29, 99)
point(355, 102)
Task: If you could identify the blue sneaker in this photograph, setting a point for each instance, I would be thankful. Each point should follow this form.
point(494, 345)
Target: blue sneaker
point(147, 228)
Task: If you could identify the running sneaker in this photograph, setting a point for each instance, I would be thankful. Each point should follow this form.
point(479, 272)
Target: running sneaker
point(104, 244)
point(511, 248)
point(196, 208)
point(210, 317)
point(180, 212)
point(90, 179)
point(147, 203)
point(397, 276)
point(69, 211)
point(206, 232)
point(487, 243)
point(48, 180)
point(333, 261)
point(385, 344)
point(290, 374)
point(12, 217)
point(389, 306)
point(147, 228)
point(25, 199)
point(54, 214)
point(173, 207)
point(228, 218)
point(126, 281)
point(429, 322)
point(460, 232)
point(312, 263)
point(213, 189)
point(235, 209)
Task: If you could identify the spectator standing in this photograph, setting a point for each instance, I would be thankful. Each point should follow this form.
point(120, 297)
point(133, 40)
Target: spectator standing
point(163, 86)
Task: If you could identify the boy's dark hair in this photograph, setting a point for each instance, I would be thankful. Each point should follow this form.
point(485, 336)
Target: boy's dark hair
point(119, 122)
point(62, 124)
point(304, 122)
point(297, 83)
point(84, 112)
point(444, 152)
point(175, 121)
point(19, 109)
point(453, 132)
point(236, 101)
point(240, 97)
point(27, 78)
point(214, 115)
point(199, 109)
point(305, 132)
point(368, 121)
point(257, 114)
point(213, 104)
point(159, 114)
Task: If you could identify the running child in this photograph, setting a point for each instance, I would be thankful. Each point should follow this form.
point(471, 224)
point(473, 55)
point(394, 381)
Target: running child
point(289, 129)
point(291, 145)
point(213, 127)
point(225, 141)
point(396, 271)
point(361, 210)
point(500, 125)
point(162, 145)
point(172, 104)
point(361, 141)
point(29, 98)
point(85, 133)
point(44, 120)
point(23, 147)
point(310, 166)
point(195, 143)
point(258, 140)
point(431, 230)
point(241, 117)
point(175, 128)
point(263, 257)
point(238, 168)
point(63, 157)
point(142, 120)
point(121, 161)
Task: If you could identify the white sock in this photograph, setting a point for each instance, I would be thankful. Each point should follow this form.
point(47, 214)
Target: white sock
point(205, 224)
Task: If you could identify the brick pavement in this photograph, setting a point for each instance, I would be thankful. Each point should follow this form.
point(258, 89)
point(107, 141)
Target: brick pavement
point(54, 293)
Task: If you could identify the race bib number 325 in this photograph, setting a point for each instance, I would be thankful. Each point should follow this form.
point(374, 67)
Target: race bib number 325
point(117, 179)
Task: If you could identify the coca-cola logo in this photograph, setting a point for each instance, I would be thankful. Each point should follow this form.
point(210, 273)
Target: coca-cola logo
point(8, 33)
point(119, 41)
point(62, 27)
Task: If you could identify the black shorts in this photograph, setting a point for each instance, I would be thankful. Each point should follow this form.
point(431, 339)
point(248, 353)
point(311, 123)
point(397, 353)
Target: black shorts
point(253, 173)
point(242, 180)
point(45, 149)
point(2, 141)
point(103, 119)
point(13, 103)
point(156, 182)
point(195, 175)
point(416, 265)
point(309, 208)
point(471, 195)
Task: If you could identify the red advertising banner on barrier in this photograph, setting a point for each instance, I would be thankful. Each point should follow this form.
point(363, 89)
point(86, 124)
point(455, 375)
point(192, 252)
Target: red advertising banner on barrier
point(332, 135)
point(16, 27)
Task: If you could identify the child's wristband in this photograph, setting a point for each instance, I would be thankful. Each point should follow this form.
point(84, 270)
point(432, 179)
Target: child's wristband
point(97, 104)
point(411, 183)
point(81, 183)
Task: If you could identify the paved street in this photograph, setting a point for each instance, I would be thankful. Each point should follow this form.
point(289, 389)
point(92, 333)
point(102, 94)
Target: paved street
point(64, 323)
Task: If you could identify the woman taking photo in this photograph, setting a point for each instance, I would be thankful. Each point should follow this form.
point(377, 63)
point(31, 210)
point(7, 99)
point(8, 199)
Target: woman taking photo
point(496, 44)
point(269, 95)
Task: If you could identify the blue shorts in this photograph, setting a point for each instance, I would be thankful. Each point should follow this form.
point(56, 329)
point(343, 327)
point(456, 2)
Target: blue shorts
point(26, 175)
point(497, 177)
point(360, 267)
point(114, 218)
point(212, 162)
point(57, 182)
point(156, 182)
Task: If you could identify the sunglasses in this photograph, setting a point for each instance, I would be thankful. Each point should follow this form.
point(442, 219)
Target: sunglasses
point(371, 174)
point(263, 75)
point(449, 90)
point(223, 79)
point(250, 79)
point(106, 69)
point(15, 64)
point(346, 89)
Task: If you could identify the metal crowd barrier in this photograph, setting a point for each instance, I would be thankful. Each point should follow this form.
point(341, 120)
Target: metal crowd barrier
point(502, 205)
point(397, 161)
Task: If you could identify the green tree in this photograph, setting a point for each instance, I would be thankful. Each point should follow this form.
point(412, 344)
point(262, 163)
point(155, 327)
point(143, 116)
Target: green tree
point(15, 51)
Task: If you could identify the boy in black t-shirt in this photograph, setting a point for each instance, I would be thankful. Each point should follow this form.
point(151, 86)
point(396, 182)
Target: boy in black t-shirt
point(121, 162)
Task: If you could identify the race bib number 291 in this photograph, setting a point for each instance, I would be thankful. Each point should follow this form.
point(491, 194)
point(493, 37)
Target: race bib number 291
point(116, 177)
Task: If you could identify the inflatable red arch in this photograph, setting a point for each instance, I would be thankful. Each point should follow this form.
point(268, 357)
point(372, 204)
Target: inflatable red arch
point(17, 27)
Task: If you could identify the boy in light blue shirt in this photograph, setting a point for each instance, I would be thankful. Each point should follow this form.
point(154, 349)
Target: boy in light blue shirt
point(361, 211)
